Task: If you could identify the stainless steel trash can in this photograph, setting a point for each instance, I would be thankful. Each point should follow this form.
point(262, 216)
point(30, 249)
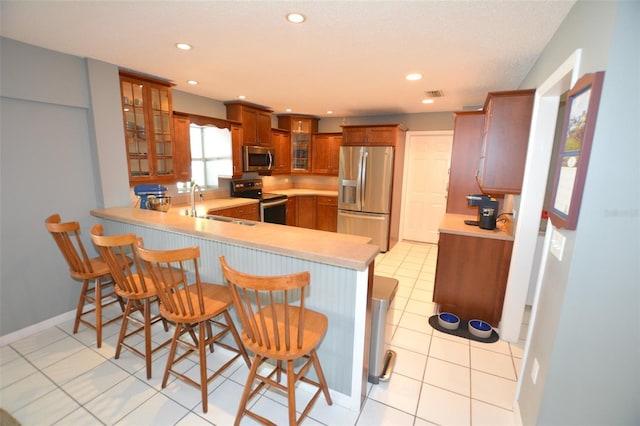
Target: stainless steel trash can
point(381, 358)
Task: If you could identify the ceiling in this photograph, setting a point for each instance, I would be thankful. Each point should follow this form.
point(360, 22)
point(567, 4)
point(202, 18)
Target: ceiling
point(350, 57)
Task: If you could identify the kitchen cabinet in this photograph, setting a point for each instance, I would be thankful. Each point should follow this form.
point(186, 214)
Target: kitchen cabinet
point(504, 142)
point(255, 120)
point(280, 140)
point(302, 127)
point(306, 211)
point(327, 213)
point(471, 276)
point(236, 150)
point(325, 153)
point(467, 141)
point(247, 212)
point(384, 134)
point(182, 157)
point(292, 212)
point(147, 115)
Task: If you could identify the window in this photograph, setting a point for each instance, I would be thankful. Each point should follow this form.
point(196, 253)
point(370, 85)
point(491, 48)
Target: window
point(210, 154)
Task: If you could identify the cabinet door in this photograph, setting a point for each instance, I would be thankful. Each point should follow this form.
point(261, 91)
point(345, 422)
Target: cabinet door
point(467, 141)
point(263, 128)
point(183, 147)
point(147, 115)
point(471, 276)
point(354, 135)
point(306, 211)
point(282, 147)
point(505, 141)
point(325, 150)
point(292, 212)
point(327, 219)
point(302, 128)
point(385, 135)
point(236, 146)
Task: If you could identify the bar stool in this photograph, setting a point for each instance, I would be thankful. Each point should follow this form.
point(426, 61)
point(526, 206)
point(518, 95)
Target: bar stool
point(135, 287)
point(277, 326)
point(81, 267)
point(193, 308)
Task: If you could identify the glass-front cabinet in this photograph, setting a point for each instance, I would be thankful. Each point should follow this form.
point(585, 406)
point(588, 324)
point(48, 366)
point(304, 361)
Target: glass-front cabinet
point(301, 128)
point(147, 109)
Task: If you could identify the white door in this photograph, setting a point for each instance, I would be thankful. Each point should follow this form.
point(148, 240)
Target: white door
point(426, 177)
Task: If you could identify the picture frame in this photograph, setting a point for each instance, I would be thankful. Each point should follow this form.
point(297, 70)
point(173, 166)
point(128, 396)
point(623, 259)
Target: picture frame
point(573, 156)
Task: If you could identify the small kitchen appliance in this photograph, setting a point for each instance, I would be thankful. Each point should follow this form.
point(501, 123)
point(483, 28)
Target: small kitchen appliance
point(152, 191)
point(487, 211)
point(273, 207)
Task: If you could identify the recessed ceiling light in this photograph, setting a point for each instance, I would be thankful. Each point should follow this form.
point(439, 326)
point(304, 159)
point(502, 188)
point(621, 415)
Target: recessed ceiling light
point(413, 76)
point(428, 101)
point(329, 112)
point(192, 82)
point(184, 46)
point(242, 97)
point(296, 18)
point(287, 110)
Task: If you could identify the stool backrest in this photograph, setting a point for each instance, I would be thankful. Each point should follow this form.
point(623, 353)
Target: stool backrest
point(117, 251)
point(169, 271)
point(271, 308)
point(67, 237)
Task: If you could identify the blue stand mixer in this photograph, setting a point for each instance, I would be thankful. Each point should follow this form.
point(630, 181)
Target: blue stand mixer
point(149, 191)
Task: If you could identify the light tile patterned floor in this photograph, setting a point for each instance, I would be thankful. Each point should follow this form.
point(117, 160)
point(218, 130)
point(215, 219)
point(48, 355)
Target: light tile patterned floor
point(55, 377)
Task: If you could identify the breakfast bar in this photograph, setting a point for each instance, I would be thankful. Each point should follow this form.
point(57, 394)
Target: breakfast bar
point(341, 268)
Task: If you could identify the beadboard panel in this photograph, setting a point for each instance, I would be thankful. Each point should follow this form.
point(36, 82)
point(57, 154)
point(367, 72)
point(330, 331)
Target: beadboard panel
point(333, 291)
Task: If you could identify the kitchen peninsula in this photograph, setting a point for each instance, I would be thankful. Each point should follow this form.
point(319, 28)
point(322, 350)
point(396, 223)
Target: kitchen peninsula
point(341, 268)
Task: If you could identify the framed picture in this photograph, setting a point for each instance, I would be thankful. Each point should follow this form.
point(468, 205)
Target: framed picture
point(573, 158)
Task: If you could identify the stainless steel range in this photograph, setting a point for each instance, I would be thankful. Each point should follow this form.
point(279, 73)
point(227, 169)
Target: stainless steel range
point(273, 207)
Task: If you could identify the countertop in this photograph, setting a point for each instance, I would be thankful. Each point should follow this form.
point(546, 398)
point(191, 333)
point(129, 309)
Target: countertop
point(348, 251)
point(454, 224)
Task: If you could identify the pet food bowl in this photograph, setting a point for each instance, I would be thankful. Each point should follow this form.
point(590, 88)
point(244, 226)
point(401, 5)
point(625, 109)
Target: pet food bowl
point(480, 328)
point(448, 320)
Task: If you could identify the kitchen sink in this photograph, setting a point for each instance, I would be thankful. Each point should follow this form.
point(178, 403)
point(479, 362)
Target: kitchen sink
point(230, 220)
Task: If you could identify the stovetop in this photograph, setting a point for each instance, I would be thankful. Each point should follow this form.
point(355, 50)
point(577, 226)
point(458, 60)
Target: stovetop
point(252, 188)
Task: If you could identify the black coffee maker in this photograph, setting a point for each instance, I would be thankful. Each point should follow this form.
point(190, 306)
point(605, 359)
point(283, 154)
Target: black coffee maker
point(487, 211)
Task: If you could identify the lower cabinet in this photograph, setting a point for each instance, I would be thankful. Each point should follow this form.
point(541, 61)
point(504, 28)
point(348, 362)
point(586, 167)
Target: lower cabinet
point(471, 276)
point(248, 212)
point(306, 211)
point(292, 212)
point(327, 213)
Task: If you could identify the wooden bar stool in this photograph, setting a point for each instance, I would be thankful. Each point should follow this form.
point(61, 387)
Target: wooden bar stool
point(136, 287)
point(193, 308)
point(277, 326)
point(81, 267)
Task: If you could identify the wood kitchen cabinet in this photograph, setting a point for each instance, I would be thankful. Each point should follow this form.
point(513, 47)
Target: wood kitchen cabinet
point(327, 213)
point(384, 134)
point(255, 120)
point(292, 211)
point(302, 127)
point(467, 141)
point(248, 212)
point(325, 153)
point(280, 140)
point(147, 115)
point(306, 211)
point(471, 276)
point(236, 150)
point(182, 157)
point(504, 141)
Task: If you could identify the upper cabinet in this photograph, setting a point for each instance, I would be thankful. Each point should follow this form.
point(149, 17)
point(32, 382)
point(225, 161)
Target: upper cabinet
point(325, 153)
point(282, 147)
point(504, 141)
point(302, 127)
point(147, 115)
point(384, 134)
point(255, 120)
point(182, 159)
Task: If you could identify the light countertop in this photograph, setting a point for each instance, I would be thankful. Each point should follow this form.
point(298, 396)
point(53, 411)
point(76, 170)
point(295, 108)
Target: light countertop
point(454, 224)
point(348, 251)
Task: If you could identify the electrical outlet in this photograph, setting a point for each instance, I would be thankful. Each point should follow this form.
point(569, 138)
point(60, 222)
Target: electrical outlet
point(535, 370)
point(514, 214)
point(557, 244)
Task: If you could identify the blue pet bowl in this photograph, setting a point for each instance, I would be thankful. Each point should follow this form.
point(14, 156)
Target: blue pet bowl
point(480, 328)
point(448, 320)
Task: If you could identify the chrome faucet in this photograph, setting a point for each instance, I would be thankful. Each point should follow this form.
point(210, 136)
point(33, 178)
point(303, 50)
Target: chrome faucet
point(193, 198)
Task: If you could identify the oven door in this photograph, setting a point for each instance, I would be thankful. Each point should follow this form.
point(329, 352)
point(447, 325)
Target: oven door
point(274, 211)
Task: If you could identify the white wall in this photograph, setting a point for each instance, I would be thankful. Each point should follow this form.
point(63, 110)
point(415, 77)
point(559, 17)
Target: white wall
point(589, 371)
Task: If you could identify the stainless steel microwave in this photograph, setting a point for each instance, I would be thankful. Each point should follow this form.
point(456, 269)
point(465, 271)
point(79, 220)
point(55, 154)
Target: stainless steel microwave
point(258, 159)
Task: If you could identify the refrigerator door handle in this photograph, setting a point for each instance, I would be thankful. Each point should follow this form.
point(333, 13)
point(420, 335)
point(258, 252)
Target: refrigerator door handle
point(363, 175)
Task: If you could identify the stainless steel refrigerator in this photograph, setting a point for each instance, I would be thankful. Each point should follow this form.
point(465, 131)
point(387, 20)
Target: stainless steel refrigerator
point(364, 192)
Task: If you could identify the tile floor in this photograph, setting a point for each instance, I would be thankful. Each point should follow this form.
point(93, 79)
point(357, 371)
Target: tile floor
point(55, 377)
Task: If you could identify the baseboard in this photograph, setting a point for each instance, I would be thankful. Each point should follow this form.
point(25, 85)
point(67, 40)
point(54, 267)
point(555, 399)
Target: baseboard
point(32, 329)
